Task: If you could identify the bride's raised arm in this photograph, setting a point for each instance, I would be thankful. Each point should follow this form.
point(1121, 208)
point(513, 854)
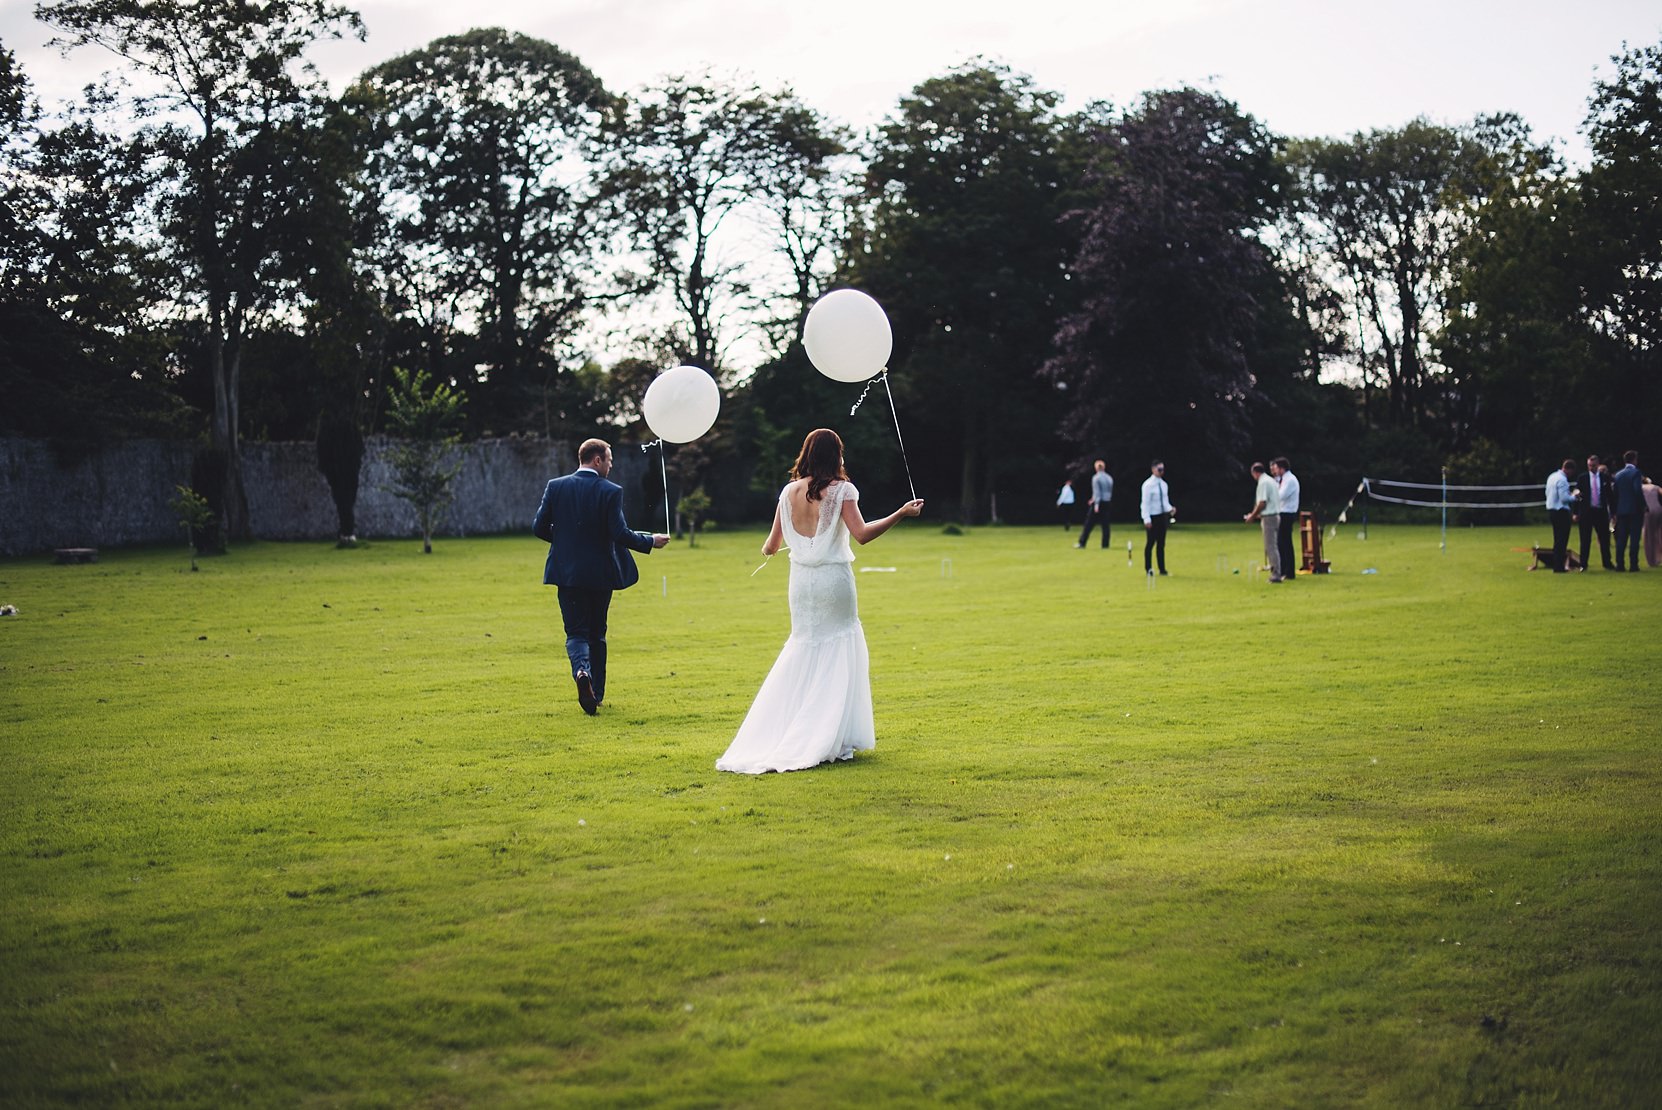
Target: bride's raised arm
point(865, 531)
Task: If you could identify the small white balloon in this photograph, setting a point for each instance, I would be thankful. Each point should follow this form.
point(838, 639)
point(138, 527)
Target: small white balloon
point(847, 336)
point(681, 404)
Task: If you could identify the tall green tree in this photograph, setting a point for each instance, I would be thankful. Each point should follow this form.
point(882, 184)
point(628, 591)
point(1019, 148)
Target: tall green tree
point(1178, 290)
point(485, 148)
point(1389, 210)
point(84, 356)
point(228, 98)
point(1622, 236)
point(21, 199)
point(1516, 344)
point(964, 248)
point(807, 191)
point(698, 158)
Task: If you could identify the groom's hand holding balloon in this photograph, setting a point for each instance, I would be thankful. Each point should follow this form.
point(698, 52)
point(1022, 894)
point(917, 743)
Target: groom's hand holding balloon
point(659, 539)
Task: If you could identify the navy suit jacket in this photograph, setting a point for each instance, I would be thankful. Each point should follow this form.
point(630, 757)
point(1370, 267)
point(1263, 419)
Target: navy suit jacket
point(589, 545)
point(1630, 490)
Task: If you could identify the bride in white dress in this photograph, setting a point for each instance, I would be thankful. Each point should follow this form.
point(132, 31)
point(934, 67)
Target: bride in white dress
point(815, 704)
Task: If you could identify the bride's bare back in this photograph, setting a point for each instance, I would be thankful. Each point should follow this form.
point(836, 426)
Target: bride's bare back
point(805, 514)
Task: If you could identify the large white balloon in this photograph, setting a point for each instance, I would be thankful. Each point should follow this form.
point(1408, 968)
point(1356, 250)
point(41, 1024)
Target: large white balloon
point(847, 336)
point(681, 404)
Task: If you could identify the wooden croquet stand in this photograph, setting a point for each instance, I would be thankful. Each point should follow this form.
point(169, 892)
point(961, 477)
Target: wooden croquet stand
point(1310, 537)
point(75, 555)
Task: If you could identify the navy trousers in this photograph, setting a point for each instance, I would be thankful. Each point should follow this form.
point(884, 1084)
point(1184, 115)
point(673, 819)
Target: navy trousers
point(583, 612)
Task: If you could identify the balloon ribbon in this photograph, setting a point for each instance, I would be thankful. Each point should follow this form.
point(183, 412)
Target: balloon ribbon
point(883, 376)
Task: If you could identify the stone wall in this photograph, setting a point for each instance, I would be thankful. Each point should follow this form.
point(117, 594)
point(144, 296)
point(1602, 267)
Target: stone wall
point(119, 495)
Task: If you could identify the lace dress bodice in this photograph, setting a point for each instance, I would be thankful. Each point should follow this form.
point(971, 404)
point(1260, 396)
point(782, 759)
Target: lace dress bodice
point(829, 543)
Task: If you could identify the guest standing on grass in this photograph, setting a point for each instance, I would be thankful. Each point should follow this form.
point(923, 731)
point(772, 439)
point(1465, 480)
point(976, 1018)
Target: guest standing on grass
point(1653, 524)
point(1287, 482)
point(1629, 487)
point(1064, 504)
point(815, 704)
point(1266, 512)
point(589, 556)
point(1102, 492)
point(1590, 508)
point(1158, 512)
point(1558, 512)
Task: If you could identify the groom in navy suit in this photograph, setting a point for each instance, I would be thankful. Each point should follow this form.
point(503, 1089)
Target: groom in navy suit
point(581, 518)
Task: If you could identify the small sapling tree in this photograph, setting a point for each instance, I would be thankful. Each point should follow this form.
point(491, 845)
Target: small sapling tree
point(195, 516)
point(426, 417)
point(694, 505)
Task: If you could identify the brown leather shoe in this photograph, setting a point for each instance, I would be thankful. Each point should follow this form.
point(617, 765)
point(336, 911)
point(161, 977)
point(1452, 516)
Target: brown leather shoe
point(585, 693)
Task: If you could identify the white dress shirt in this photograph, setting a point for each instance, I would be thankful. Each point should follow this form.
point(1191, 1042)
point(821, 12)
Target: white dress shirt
point(1156, 501)
point(1289, 492)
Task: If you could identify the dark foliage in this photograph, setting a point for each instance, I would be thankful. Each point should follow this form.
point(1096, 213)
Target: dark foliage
point(1182, 310)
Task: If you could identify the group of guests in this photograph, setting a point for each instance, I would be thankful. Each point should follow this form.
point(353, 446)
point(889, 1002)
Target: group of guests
point(1626, 506)
point(1275, 510)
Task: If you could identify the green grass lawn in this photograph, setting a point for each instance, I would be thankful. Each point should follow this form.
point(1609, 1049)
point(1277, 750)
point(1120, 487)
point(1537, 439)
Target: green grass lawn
point(327, 828)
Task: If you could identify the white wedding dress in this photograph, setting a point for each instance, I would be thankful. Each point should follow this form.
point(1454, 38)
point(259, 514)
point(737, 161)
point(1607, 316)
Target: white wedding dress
point(815, 704)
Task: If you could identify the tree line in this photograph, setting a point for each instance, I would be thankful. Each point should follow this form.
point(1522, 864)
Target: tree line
point(210, 243)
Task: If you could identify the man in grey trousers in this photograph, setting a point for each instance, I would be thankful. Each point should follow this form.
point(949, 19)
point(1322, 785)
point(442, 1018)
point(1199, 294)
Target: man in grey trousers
point(1102, 492)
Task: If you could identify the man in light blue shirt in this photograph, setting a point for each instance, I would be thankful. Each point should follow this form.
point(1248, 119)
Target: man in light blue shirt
point(1102, 492)
point(1558, 511)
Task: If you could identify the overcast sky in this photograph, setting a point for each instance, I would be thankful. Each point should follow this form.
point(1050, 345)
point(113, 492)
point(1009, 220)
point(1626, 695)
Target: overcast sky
point(1303, 67)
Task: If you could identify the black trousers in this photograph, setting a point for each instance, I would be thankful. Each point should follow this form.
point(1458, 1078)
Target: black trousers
point(583, 612)
point(1154, 547)
point(1284, 543)
point(1094, 515)
point(1595, 522)
point(1561, 537)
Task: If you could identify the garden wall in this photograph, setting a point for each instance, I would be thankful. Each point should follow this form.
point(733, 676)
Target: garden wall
point(119, 494)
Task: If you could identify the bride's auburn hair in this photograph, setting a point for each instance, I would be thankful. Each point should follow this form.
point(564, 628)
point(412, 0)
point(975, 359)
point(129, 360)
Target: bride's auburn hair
point(821, 462)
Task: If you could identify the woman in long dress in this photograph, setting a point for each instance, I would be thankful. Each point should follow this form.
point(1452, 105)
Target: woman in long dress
point(1653, 523)
point(815, 704)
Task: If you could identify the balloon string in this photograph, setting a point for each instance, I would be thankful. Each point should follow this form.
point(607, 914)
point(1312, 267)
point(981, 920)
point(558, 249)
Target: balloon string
point(881, 377)
point(664, 470)
point(765, 561)
point(898, 438)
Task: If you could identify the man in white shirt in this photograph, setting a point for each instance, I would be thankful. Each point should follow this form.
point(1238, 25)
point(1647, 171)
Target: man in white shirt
point(1287, 482)
point(1266, 510)
point(1158, 512)
point(1558, 511)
